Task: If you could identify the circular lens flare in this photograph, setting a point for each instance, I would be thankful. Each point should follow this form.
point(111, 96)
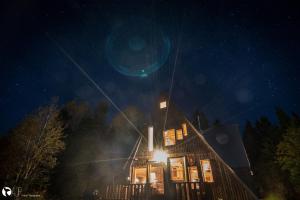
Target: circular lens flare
point(137, 48)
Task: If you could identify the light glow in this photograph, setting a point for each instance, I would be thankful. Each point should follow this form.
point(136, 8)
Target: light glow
point(160, 156)
point(153, 177)
point(163, 104)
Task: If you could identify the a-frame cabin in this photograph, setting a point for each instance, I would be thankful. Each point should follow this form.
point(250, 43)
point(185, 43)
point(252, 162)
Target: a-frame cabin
point(174, 161)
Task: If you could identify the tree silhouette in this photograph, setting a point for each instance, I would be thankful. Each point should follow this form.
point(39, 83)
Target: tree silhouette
point(32, 149)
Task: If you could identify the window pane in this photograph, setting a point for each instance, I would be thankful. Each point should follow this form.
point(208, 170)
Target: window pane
point(206, 171)
point(169, 137)
point(179, 134)
point(139, 175)
point(177, 167)
point(184, 128)
point(157, 179)
point(193, 174)
point(163, 104)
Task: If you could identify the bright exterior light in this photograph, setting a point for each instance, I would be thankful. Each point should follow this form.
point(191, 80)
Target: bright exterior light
point(160, 156)
point(163, 104)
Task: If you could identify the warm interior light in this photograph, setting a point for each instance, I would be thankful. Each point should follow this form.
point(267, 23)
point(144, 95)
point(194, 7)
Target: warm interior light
point(163, 104)
point(153, 177)
point(160, 156)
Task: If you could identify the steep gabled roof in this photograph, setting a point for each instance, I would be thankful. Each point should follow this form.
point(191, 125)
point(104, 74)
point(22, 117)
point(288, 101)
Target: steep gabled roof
point(202, 138)
point(227, 142)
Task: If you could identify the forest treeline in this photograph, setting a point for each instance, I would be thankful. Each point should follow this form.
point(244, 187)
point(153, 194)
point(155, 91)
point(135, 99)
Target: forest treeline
point(67, 152)
point(274, 153)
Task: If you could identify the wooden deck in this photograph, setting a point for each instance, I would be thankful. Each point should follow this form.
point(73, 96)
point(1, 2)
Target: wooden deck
point(176, 191)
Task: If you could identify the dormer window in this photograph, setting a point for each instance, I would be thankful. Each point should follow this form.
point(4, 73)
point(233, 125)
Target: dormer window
point(184, 128)
point(179, 134)
point(163, 104)
point(169, 137)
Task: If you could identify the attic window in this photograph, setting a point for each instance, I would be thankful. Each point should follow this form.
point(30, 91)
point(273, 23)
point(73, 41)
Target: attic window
point(163, 104)
point(169, 137)
point(179, 134)
point(206, 171)
point(184, 128)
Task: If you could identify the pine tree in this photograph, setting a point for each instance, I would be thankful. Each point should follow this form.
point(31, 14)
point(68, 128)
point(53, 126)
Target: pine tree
point(288, 155)
point(283, 119)
point(268, 176)
point(251, 142)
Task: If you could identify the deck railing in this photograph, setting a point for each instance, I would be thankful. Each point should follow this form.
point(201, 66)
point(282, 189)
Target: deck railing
point(176, 191)
point(128, 191)
point(188, 191)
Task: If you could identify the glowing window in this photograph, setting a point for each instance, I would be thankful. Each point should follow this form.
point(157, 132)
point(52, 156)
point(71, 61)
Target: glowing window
point(163, 104)
point(157, 178)
point(169, 137)
point(179, 134)
point(139, 175)
point(184, 128)
point(206, 171)
point(193, 174)
point(177, 167)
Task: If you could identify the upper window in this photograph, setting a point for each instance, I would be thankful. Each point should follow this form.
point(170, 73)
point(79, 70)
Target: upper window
point(177, 167)
point(179, 134)
point(206, 171)
point(163, 104)
point(184, 128)
point(169, 137)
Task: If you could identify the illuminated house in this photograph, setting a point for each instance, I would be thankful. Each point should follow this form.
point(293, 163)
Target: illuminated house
point(176, 161)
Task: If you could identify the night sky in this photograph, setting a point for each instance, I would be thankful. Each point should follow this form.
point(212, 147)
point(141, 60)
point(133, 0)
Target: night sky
point(235, 60)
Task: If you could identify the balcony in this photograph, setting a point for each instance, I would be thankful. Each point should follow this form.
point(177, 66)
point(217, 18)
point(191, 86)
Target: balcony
point(175, 191)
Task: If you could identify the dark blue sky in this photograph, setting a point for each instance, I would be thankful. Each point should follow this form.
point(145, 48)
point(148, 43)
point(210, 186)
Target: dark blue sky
point(237, 60)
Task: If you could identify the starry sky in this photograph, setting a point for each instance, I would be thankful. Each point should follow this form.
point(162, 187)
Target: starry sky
point(234, 60)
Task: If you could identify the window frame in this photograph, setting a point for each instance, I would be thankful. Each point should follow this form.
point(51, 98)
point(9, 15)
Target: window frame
point(184, 129)
point(204, 171)
point(184, 168)
point(159, 185)
point(133, 179)
point(164, 136)
point(189, 172)
point(181, 132)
